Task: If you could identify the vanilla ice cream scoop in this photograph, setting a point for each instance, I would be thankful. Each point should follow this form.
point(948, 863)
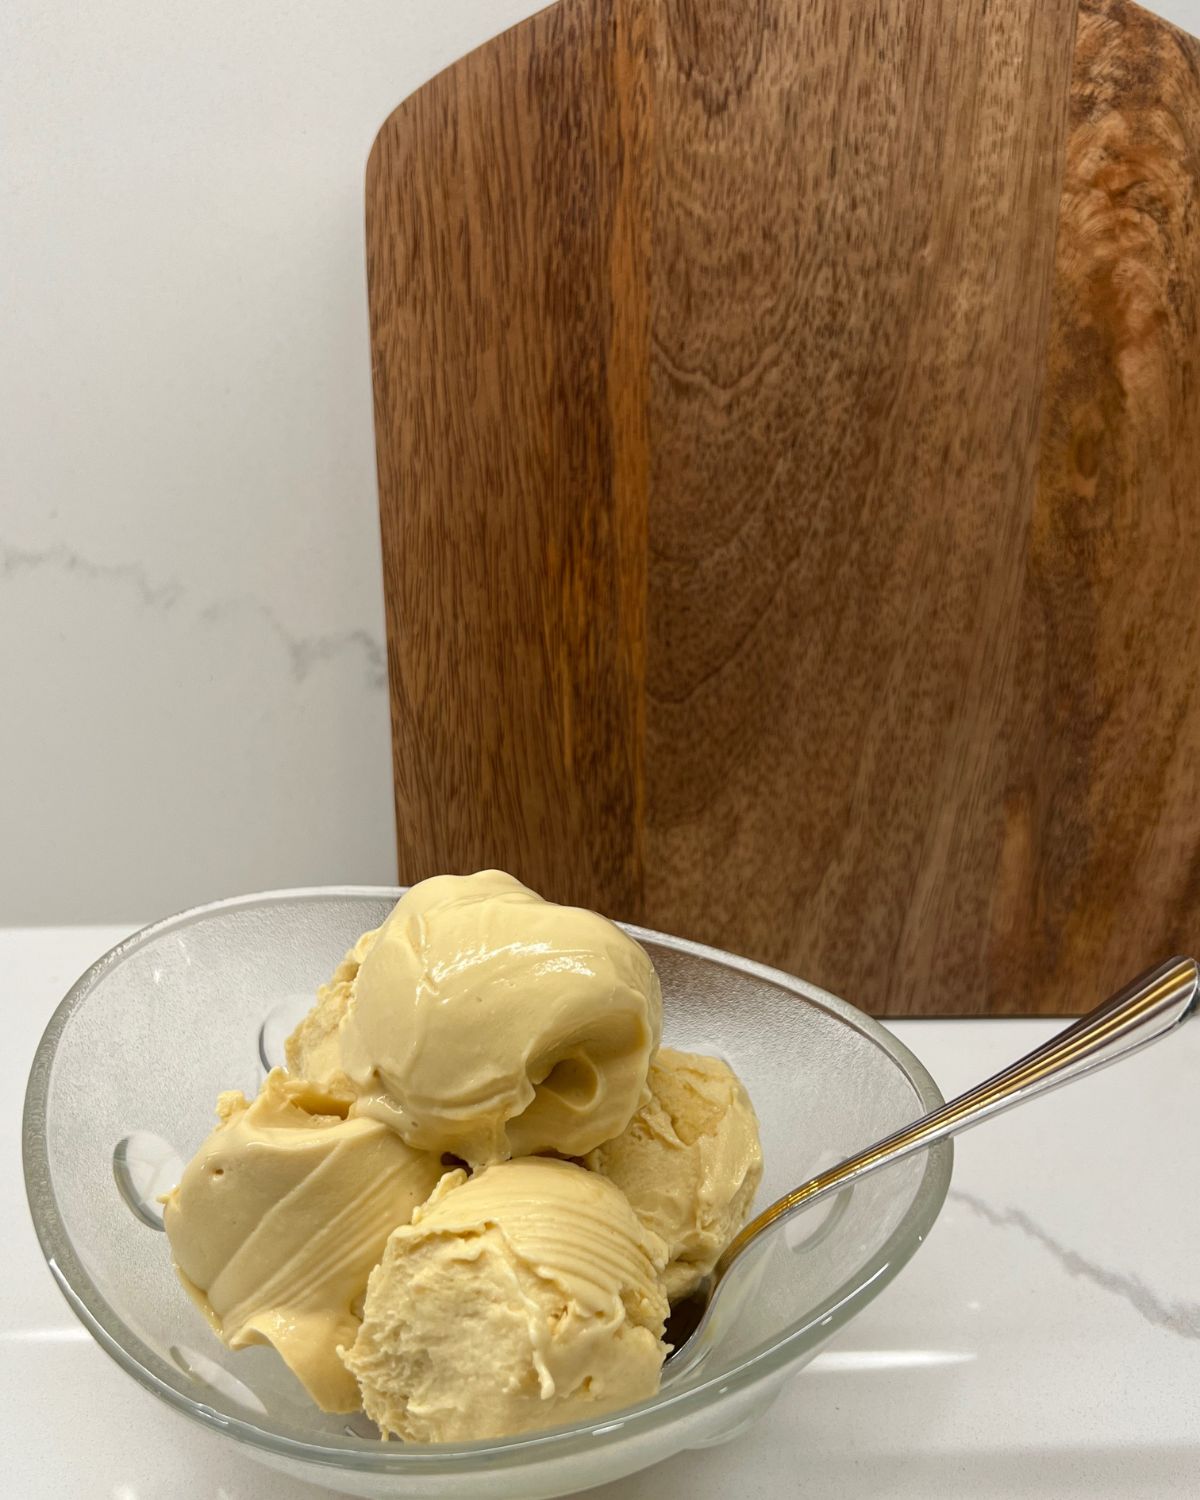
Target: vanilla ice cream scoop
point(313, 1051)
point(279, 1218)
point(523, 1297)
point(486, 1022)
point(689, 1162)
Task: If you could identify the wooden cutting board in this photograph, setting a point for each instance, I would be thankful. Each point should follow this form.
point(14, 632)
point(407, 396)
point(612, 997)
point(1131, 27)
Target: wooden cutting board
point(788, 422)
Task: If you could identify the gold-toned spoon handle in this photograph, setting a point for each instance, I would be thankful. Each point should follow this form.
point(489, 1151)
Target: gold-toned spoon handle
point(1149, 1008)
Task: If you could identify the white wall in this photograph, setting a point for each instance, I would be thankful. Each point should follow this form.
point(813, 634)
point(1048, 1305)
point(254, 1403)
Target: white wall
point(192, 699)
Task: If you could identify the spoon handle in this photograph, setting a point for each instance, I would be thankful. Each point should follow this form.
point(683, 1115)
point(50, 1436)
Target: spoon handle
point(1145, 1010)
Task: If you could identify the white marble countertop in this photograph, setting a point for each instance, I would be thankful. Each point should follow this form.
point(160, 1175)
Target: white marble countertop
point(1044, 1343)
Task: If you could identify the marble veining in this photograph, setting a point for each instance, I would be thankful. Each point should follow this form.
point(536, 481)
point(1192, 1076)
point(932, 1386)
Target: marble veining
point(305, 652)
point(63, 559)
point(1182, 1318)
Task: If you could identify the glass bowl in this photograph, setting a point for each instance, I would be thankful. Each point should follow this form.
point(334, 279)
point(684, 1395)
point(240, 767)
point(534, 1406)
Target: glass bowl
point(122, 1092)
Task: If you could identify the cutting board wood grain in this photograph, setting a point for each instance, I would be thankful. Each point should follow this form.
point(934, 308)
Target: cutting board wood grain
point(788, 426)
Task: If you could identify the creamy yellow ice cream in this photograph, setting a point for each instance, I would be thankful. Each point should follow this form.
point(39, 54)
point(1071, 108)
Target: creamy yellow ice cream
point(312, 1050)
point(523, 1297)
point(279, 1218)
point(689, 1162)
point(486, 1022)
point(482, 1021)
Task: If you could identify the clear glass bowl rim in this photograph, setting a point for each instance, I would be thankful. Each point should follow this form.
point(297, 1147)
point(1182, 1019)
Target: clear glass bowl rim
point(361, 1455)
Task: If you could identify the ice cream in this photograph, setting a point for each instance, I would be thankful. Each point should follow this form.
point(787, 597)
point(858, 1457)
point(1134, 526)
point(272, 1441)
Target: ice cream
point(312, 1050)
point(279, 1218)
point(478, 1024)
point(488, 1023)
point(523, 1297)
point(688, 1163)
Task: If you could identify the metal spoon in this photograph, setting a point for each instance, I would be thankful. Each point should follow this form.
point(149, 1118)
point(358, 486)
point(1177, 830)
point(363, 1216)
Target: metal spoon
point(1150, 1007)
